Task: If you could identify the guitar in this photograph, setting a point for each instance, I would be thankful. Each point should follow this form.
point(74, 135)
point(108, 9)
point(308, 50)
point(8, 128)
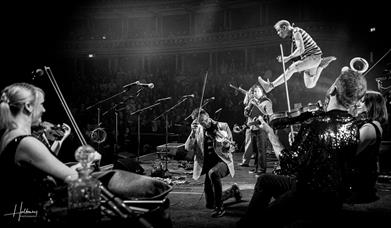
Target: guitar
point(239, 129)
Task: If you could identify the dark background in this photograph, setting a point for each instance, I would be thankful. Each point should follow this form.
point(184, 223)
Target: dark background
point(35, 34)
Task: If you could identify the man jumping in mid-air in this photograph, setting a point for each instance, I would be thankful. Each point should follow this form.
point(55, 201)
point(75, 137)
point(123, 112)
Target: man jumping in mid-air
point(311, 62)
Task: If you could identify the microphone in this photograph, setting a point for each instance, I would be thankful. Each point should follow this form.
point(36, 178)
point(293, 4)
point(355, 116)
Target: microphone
point(131, 84)
point(163, 99)
point(149, 85)
point(37, 73)
point(210, 99)
point(188, 96)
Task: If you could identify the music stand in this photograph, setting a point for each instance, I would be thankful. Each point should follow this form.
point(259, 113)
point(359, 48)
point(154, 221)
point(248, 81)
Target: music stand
point(138, 112)
point(165, 114)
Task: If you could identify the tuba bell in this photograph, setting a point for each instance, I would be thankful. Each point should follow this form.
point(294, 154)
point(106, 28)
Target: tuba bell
point(359, 65)
point(98, 135)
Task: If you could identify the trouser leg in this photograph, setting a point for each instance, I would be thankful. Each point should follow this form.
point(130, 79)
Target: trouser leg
point(215, 174)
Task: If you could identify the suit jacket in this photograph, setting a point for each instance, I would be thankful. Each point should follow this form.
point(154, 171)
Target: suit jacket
point(196, 144)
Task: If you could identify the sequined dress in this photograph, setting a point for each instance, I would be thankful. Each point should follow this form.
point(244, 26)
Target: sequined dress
point(320, 152)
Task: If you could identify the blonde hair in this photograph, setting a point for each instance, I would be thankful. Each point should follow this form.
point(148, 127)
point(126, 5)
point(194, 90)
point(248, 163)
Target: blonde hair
point(282, 23)
point(13, 98)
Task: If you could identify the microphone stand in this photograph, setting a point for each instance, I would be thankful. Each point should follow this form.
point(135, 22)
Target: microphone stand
point(106, 99)
point(165, 114)
point(114, 107)
point(217, 114)
point(98, 124)
point(138, 112)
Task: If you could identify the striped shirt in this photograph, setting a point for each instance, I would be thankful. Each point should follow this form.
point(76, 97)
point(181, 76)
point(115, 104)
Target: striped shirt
point(310, 46)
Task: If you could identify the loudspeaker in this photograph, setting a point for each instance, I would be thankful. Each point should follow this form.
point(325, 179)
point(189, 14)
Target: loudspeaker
point(129, 164)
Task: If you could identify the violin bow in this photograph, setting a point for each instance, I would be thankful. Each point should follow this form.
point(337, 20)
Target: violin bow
point(376, 62)
point(65, 105)
point(202, 96)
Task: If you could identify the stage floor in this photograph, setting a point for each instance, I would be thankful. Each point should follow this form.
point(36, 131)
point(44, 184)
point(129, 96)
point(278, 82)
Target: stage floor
point(187, 201)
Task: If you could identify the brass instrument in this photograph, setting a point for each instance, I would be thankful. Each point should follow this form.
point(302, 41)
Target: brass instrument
point(98, 135)
point(359, 64)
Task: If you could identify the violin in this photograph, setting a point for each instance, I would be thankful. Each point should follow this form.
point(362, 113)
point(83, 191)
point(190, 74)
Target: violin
point(48, 132)
point(284, 119)
point(222, 137)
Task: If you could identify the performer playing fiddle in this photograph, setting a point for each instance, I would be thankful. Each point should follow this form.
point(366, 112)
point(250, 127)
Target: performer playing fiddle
point(314, 167)
point(25, 157)
point(303, 46)
point(211, 142)
point(51, 135)
point(256, 104)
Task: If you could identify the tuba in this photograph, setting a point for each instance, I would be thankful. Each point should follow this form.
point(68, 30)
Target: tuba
point(98, 135)
point(359, 65)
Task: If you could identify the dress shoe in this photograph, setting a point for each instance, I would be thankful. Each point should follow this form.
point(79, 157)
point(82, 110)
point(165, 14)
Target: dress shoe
point(218, 212)
point(252, 171)
point(326, 61)
point(266, 85)
point(259, 173)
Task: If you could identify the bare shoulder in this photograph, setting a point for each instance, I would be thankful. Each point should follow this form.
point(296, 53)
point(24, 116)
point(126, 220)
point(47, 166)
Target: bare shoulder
point(369, 128)
point(30, 144)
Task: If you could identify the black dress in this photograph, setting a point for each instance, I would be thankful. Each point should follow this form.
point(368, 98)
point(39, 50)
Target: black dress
point(24, 188)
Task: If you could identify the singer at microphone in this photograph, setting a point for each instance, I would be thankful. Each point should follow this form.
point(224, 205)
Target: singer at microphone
point(149, 85)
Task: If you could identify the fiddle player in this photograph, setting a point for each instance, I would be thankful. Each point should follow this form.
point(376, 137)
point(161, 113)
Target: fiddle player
point(25, 162)
point(211, 142)
point(256, 104)
point(52, 136)
point(311, 62)
point(313, 169)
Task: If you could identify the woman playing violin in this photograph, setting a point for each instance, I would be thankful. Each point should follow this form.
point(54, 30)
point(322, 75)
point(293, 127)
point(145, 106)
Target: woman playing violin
point(52, 135)
point(25, 162)
point(211, 142)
